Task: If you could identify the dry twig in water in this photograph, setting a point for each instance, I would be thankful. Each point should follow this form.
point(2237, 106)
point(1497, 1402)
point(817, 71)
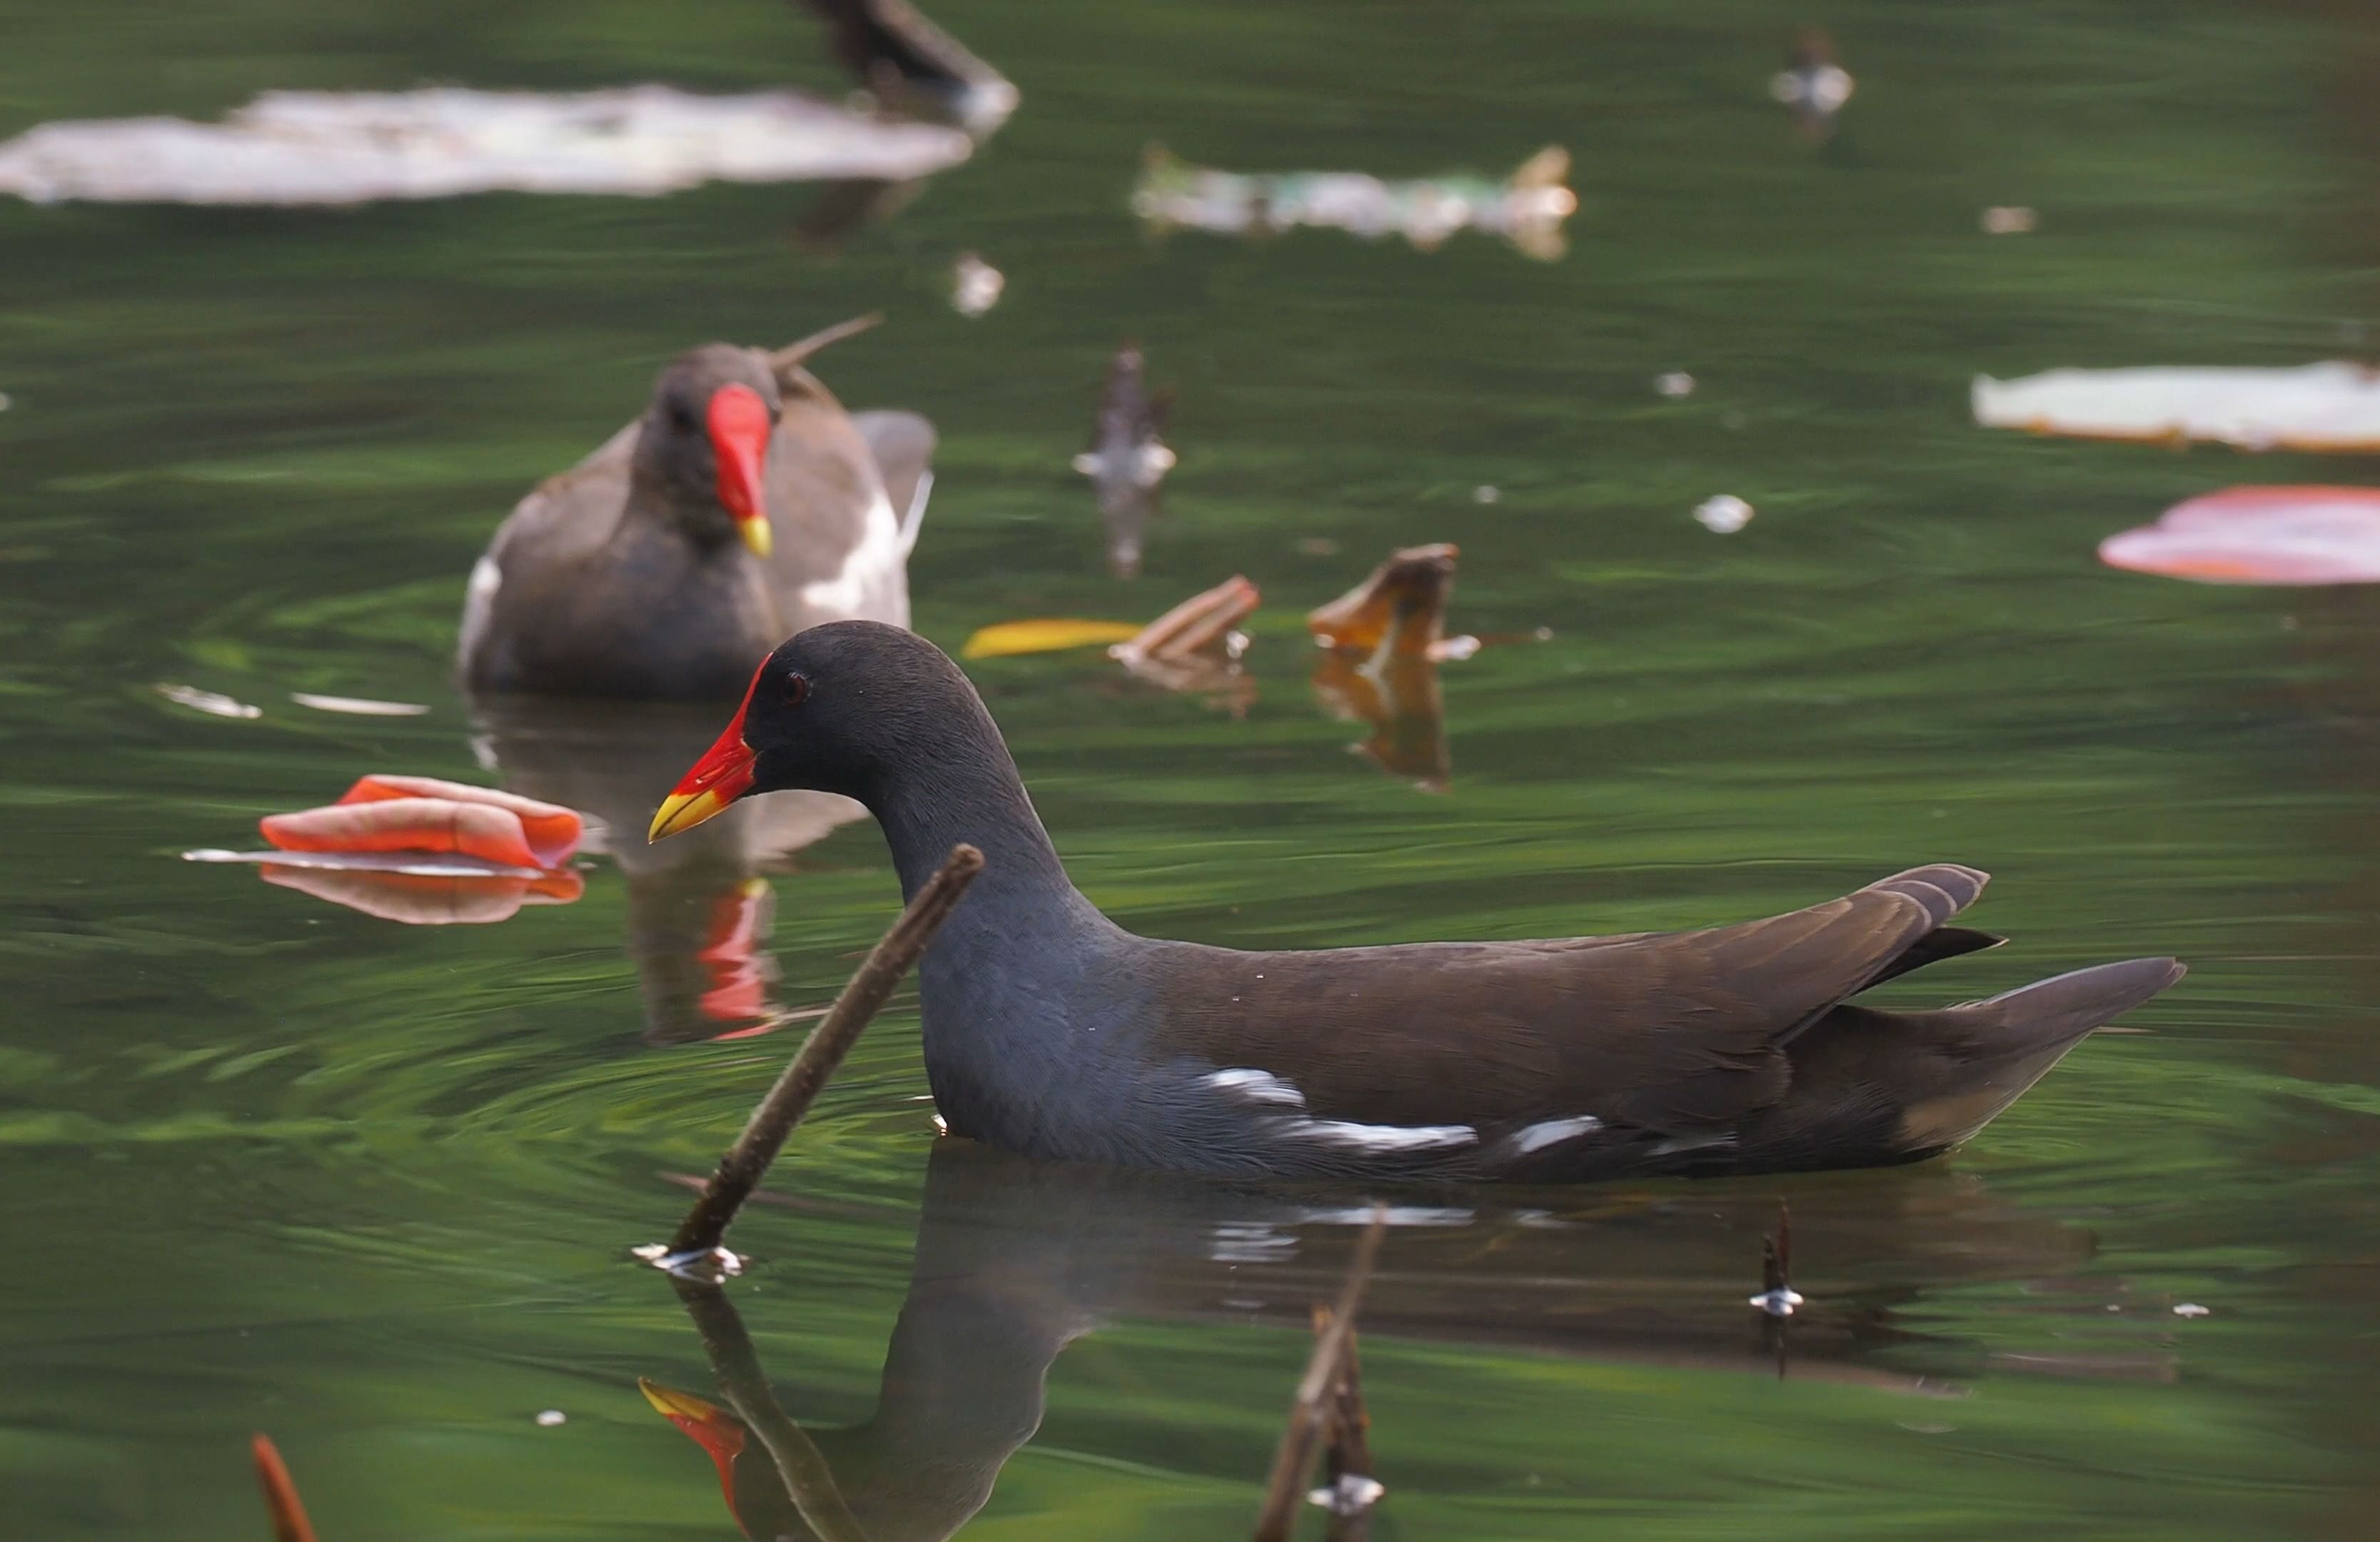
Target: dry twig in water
point(700, 1235)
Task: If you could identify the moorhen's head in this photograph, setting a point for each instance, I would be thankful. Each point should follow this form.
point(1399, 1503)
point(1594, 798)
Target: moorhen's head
point(835, 709)
point(704, 443)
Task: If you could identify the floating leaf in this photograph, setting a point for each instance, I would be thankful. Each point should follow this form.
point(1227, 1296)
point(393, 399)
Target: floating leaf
point(2260, 535)
point(550, 831)
point(1402, 605)
point(1527, 208)
point(358, 706)
point(1007, 637)
point(210, 702)
point(2318, 407)
point(336, 148)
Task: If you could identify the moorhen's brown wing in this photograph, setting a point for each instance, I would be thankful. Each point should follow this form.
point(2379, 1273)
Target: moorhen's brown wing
point(1675, 1033)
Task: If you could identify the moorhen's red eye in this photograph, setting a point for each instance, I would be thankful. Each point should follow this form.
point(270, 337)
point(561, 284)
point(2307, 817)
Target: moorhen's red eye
point(797, 690)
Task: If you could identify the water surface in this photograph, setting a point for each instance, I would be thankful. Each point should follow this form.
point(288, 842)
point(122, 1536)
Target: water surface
point(276, 1164)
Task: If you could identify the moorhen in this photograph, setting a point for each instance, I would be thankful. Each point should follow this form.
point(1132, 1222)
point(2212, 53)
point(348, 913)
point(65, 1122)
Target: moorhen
point(1051, 1030)
point(745, 504)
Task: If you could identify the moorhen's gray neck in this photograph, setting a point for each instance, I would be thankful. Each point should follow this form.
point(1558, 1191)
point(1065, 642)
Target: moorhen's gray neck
point(660, 504)
point(966, 788)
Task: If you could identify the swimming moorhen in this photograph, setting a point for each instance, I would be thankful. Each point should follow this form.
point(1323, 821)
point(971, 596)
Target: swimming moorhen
point(625, 576)
point(1050, 1029)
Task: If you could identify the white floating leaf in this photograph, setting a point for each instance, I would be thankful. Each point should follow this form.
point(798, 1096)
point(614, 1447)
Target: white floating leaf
point(359, 706)
point(210, 702)
point(336, 148)
point(2316, 406)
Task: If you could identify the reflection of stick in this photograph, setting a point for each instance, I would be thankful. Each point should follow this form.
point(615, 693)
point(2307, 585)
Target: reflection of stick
point(1778, 1298)
point(1316, 1392)
point(1347, 1450)
point(802, 1470)
point(764, 1134)
point(289, 1523)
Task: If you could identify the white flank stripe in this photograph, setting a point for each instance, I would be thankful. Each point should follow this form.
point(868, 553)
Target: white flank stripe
point(1537, 1138)
point(1380, 1137)
point(1253, 1086)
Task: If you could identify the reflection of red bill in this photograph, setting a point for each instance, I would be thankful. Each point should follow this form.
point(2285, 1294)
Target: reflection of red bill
point(289, 1523)
point(427, 899)
point(2260, 535)
point(707, 1425)
point(730, 954)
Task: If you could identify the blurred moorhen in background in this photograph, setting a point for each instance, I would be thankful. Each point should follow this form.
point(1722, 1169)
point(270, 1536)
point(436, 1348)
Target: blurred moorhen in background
point(745, 504)
point(1051, 1030)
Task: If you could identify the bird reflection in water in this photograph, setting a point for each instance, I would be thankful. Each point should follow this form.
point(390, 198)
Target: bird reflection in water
point(1127, 458)
point(1814, 86)
point(699, 909)
point(1017, 1259)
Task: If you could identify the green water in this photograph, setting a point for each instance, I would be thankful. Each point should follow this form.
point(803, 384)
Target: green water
point(274, 1164)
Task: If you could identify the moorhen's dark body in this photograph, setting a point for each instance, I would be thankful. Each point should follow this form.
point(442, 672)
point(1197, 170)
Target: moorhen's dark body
point(745, 504)
point(1051, 1030)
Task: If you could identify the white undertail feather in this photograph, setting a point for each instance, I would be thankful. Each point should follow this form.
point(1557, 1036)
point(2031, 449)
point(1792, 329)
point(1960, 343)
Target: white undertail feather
point(1250, 1084)
point(915, 523)
point(479, 604)
point(873, 583)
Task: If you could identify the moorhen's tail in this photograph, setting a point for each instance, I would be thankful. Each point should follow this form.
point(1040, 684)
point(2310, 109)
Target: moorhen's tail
point(1873, 1088)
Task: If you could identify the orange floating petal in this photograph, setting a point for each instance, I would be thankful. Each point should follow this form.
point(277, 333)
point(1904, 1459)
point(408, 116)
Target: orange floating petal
point(410, 824)
point(550, 831)
point(2260, 535)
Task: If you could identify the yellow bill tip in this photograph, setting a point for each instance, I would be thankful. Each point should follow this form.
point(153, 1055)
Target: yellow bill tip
point(671, 1403)
point(756, 535)
point(680, 812)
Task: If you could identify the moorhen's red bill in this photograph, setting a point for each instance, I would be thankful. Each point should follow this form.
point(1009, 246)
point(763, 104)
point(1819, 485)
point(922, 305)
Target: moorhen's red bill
point(743, 505)
point(1049, 1029)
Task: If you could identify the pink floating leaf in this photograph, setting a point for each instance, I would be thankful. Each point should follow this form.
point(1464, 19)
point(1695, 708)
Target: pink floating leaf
point(2260, 535)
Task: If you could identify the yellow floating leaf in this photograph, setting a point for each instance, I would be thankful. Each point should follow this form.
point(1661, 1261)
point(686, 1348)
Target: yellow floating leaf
point(1008, 638)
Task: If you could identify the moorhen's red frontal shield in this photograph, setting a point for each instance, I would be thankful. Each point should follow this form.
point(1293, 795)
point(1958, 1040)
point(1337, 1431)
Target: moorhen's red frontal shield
point(740, 438)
